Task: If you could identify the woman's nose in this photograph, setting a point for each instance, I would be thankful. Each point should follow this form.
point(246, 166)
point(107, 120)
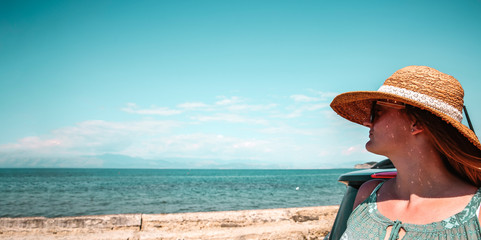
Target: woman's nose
point(367, 124)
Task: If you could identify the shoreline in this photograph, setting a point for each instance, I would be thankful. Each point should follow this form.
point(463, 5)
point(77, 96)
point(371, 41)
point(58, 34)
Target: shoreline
point(282, 223)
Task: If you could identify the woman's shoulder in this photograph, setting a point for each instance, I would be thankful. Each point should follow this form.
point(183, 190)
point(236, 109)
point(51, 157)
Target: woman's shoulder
point(365, 191)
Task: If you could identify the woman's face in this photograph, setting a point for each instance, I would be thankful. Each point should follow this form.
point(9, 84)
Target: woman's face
point(389, 131)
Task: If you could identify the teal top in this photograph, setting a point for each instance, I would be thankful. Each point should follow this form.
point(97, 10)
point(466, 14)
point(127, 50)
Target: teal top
point(366, 222)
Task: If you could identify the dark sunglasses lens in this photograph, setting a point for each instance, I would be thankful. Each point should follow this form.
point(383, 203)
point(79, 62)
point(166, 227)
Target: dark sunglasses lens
point(373, 112)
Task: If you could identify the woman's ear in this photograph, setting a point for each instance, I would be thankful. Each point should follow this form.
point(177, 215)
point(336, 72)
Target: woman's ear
point(416, 129)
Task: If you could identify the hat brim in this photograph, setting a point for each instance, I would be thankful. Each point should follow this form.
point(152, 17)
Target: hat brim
point(356, 107)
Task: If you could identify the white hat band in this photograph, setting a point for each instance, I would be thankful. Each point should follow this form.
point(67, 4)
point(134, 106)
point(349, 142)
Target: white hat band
point(425, 99)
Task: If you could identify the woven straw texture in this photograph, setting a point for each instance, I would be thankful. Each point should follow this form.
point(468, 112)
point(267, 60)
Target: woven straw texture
point(419, 86)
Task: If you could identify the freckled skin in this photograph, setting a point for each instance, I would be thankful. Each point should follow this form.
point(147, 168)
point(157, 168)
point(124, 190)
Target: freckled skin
point(424, 190)
point(388, 132)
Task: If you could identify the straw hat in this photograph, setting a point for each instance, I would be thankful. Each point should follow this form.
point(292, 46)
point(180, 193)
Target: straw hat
point(419, 86)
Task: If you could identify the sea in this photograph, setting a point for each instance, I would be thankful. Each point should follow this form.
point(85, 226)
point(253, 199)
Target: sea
point(73, 192)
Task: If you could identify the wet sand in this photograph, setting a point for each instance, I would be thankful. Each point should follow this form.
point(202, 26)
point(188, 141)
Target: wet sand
point(288, 223)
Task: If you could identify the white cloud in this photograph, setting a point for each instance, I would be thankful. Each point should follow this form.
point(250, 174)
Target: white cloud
point(294, 114)
point(199, 146)
point(320, 96)
point(315, 107)
point(87, 138)
point(354, 150)
point(299, 110)
point(325, 95)
point(304, 98)
point(260, 133)
point(284, 129)
point(232, 118)
point(133, 108)
point(231, 104)
point(246, 107)
point(34, 143)
point(228, 101)
point(99, 127)
point(193, 105)
point(248, 144)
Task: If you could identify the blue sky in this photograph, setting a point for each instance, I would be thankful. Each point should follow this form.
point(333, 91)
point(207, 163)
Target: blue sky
point(212, 84)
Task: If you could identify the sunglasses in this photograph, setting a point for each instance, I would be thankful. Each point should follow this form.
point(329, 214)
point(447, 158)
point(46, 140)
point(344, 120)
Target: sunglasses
point(385, 103)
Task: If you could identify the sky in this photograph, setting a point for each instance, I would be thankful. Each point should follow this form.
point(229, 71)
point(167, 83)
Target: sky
point(213, 84)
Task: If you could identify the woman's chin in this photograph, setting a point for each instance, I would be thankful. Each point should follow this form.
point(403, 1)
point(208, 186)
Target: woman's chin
point(371, 147)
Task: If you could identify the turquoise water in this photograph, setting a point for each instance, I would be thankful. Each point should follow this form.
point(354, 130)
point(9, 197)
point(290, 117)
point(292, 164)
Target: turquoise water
point(73, 192)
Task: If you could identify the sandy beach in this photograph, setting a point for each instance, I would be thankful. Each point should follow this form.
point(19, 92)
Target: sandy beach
point(288, 223)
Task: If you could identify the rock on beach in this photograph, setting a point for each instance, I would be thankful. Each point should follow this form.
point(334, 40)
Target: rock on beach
point(288, 223)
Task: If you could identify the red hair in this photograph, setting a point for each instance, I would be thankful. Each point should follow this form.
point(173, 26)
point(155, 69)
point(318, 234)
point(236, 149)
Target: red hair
point(460, 156)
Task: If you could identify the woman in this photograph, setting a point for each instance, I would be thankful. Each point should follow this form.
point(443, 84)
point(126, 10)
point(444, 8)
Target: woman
point(415, 120)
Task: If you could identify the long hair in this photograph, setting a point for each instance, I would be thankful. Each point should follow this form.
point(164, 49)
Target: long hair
point(460, 156)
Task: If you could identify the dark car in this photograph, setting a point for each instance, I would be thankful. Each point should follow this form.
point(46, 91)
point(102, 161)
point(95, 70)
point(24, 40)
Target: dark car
point(353, 180)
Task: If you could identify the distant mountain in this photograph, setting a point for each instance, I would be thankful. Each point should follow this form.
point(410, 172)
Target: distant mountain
point(365, 165)
point(122, 161)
